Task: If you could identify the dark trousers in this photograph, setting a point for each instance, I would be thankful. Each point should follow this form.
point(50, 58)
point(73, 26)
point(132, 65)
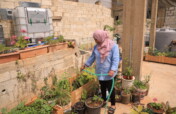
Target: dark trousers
point(106, 85)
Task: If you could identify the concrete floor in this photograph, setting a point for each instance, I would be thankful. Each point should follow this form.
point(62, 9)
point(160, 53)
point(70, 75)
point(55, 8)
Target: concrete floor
point(162, 85)
point(163, 81)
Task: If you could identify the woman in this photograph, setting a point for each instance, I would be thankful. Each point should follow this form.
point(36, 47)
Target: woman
point(106, 55)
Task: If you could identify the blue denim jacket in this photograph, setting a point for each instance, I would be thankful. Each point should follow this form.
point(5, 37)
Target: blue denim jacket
point(111, 62)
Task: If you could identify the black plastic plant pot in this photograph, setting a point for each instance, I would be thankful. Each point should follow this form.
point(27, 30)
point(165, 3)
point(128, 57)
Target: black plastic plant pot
point(79, 107)
point(92, 110)
point(135, 98)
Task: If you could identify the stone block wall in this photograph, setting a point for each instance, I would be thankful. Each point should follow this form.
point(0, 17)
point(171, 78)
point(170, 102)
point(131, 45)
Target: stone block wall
point(79, 20)
point(21, 80)
point(170, 19)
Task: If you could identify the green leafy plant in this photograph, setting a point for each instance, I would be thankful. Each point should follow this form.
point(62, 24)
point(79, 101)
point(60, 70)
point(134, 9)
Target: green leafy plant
point(51, 40)
point(126, 91)
point(118, 22)
point(97, 99)
point(64, 97)
point(84, 95)
point(4, 49)
point(40, 106)
point(63, 84)
point(155, 52)
point(21, 42)
point(156, 106)
point(128, 72)
point(139, 84)
point(80, 81)
point(109, 28)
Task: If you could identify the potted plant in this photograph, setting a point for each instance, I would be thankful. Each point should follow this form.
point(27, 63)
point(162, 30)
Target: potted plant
point(118, 87)
point(8, 54)
point(94, 105)
point(156, 108)
point(146, 81)
point(117, 98)
point(140, 87)
point(170, 110)
point(126, 96)
point(135, 96)
point(128, 78)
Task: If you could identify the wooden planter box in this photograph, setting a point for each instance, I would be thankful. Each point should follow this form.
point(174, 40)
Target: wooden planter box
point(161, 59)
point(4, 58)
point(58, 110)
point(52, 48)
point(76, 94)
point(32, 52)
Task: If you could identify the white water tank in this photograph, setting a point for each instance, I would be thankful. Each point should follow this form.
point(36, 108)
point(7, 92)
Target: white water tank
point(37, 22)
point(163, 38)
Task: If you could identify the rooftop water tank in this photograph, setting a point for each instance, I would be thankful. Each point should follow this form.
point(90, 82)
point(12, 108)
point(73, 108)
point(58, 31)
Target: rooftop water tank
point(37, 22)
point(164, 37)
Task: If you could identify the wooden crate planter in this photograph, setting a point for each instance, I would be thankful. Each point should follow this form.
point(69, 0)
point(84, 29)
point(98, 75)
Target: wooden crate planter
point(76, 94)
point(32, 52)
point(161, 59)
point(52, 48)
point(4, 58)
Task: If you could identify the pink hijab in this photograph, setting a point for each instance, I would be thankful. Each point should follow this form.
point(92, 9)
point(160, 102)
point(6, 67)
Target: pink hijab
point(106, 44)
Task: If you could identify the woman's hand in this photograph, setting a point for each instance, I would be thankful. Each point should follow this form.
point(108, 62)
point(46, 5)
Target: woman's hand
point(111, 73)
point(83, 67)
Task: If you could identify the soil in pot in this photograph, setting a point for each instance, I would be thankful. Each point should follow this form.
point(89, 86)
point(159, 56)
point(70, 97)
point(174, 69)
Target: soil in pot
point(79, 107)
point(155, 111)
point(93, 107)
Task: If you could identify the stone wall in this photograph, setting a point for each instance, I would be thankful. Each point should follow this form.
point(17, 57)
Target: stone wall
point(170, 19)
point(21, 80)
point(79, 20)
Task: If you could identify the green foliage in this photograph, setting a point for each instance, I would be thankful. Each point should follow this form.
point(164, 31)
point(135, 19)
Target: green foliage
point(139, 84)
point(128, 71)
point(51, 40)
point(40, 106)
point(118, 22)
point(21, 42)
point(156, 106)
point(147, 78)
point(81, 80)
point(156, 52)
point(96, 98)
point(109, 28)
point(84, 95)
point(4, 49)
point(63, 84)
point(126, 91)
point(118, 85)
point(64, 97)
